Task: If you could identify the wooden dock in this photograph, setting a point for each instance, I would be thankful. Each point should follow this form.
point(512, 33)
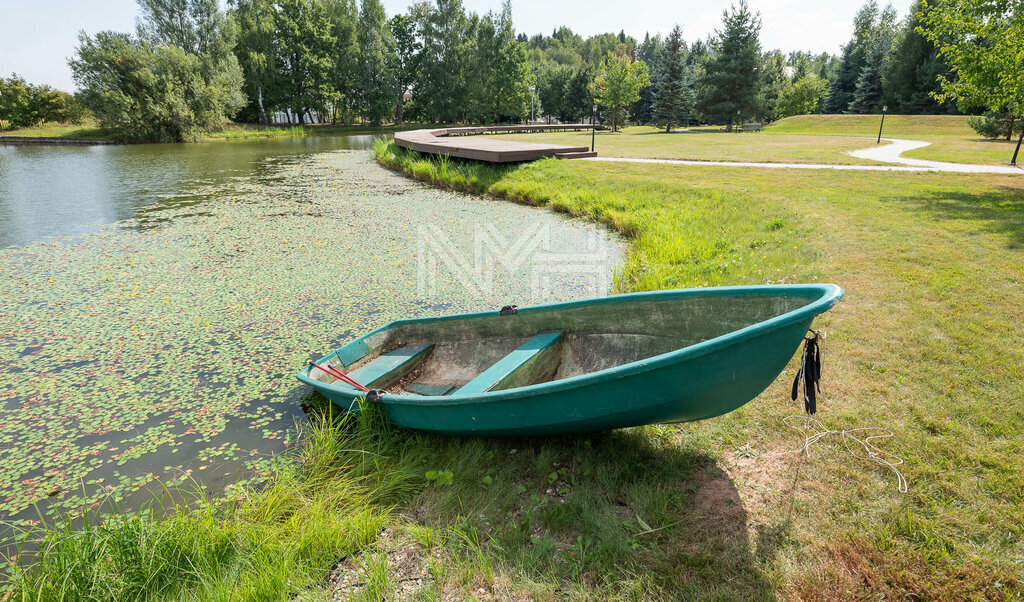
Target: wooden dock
point(456, 142)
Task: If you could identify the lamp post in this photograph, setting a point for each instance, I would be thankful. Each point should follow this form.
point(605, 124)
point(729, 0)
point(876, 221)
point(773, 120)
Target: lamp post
point(884, 109)
point(593, 127)
point(532, 88)
point(1013, 161)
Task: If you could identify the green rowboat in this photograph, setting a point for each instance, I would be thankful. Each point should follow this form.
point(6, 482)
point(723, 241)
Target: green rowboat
point(581, 366)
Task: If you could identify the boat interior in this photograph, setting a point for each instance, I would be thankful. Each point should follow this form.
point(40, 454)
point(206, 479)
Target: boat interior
point(474, 354)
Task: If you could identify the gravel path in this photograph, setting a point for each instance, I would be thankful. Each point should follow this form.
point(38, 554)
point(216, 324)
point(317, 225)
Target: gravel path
point(889, 153)
point(892, 153)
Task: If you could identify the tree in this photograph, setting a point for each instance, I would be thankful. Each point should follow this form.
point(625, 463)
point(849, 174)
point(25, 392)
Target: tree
point(996, 124)
point(502, 77)
point(177, 78)
point(143, 93)
point(446, 59)
point(867, 97)
point(618, 84)
point(802, 97)
point(982, 42)
point(672, 98)
point(343, 16)
point(579, 96)
point(910, 80)
point(774, 79)
point(650, 51)
point(256, 50)
point(732, 76)
point(553, 87)
point(376, 62)
point(201, 29)
point(853, 59)
point(407, 48)
point(306, 48)
point(16, 102)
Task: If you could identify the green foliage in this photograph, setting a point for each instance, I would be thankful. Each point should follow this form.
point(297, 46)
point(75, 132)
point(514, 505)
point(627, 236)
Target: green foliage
point(910, 79)
point(673, 98)
point(997, 124)
point(650, 51)
point(983, 44)
point(257, 55)
point(177, 80)
point(201, 29)
point(774, 80)
point(440, 477)
point(448, 35)
point(867, 96)
point(731, 85)
point(24, 105)
point(306, 51)
point(854, 58)
point(501, 76)
point(143, 93)
point(407, 48)
point(376, 62)
point(618, 85)
point(802, 97)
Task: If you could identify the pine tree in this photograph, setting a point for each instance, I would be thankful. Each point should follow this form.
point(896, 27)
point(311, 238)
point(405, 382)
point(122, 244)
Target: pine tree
point(649, 51)
point(867, 97)
point(672, 100)
point(853, 59)
point(910, 79)
point(732, 75)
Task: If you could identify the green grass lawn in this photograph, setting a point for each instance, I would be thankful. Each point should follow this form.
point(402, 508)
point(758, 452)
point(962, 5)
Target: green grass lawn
point(926, 344)
point(801, 139)
point(952, 139)
point(705, 144)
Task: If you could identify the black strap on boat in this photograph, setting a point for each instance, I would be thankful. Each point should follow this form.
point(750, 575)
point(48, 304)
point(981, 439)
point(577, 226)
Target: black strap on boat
point(810, 371)
point(508, 310)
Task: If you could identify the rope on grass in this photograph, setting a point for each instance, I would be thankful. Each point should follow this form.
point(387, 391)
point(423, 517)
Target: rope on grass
point(813, 430)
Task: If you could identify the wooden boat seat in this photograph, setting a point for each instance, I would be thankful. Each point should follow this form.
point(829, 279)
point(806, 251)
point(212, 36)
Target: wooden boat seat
point(390, 366)
point(518, 368)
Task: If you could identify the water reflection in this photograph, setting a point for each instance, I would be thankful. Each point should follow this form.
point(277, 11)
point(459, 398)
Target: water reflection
point(48, 192)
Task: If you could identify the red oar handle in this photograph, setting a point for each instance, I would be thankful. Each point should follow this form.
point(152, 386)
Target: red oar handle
point(340, 376)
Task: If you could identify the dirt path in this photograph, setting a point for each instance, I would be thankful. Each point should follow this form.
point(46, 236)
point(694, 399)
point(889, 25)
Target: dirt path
point(892, 153)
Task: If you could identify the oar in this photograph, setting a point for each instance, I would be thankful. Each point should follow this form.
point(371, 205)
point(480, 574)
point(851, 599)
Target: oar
point(341, 376)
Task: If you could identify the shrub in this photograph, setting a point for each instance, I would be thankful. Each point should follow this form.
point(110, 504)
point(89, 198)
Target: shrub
point(997, 124)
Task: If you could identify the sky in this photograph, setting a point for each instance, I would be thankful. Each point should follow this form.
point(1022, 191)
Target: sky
point(37, 37)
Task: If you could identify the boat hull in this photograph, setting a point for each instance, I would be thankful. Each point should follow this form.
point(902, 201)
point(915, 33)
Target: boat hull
point(697, 382)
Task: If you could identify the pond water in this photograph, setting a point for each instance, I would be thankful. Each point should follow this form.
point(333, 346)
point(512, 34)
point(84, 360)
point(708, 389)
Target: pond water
point(157, 300)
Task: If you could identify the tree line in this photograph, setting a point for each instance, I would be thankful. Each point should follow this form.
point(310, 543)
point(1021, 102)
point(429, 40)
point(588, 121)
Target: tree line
point(191, 65)
point(24, 105)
